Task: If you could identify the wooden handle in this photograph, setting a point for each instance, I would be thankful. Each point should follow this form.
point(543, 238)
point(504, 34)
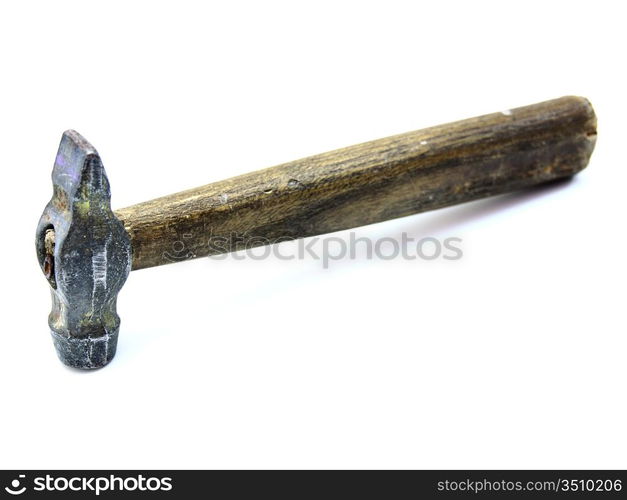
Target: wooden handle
point(371, 182)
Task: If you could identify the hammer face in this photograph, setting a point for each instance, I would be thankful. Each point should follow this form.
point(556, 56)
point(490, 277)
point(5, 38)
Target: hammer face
point(85, 254)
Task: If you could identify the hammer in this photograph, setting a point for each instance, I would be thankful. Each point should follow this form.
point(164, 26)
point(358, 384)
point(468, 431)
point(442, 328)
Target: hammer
point(86, 250)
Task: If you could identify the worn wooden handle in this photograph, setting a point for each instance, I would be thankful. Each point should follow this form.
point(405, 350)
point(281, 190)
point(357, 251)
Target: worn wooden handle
point(367, 183)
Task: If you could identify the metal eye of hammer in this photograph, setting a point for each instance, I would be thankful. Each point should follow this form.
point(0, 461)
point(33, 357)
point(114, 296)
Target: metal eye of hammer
point(86, 250)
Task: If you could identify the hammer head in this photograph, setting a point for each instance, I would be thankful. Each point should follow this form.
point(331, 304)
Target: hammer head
point(85, 254)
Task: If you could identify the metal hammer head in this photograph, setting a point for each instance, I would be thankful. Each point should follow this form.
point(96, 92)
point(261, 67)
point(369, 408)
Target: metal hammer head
point(85, 254)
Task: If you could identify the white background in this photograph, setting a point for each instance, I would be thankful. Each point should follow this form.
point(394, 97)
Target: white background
point(512, 357)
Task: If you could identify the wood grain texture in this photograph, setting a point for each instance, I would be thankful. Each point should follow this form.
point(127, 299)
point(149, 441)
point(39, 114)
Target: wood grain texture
point(366, 183)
